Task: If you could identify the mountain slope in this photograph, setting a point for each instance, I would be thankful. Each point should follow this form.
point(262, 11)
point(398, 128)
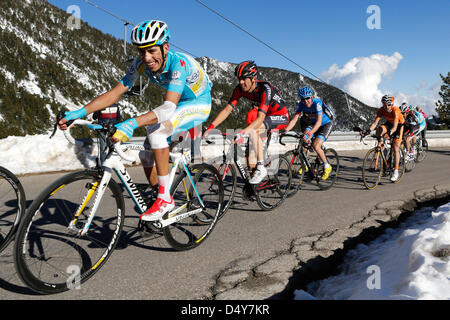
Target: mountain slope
point(45, 66)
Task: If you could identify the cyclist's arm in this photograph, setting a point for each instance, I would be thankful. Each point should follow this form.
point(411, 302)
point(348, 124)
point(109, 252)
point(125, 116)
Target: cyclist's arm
point(166, 110)
point(317, 125)
point(101, 102)
point(222, 115)
point(292, 123)
point(374, 124)
point(106, 99)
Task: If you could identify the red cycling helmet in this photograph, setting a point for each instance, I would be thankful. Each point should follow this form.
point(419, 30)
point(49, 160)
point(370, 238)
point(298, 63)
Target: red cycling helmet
point(246, 69)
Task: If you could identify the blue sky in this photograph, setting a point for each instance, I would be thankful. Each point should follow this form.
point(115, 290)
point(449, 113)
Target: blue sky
point(314, 34)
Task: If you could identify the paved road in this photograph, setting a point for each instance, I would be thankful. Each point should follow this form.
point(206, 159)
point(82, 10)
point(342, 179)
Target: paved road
point(147, 270)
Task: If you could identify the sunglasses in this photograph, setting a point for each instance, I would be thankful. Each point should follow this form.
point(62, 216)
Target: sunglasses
point(305, 99)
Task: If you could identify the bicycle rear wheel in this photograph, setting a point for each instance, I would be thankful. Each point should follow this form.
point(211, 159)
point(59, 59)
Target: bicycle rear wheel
point(372, 169)
point(272, 191)
point(297, 172)
point(333, 160)
point(421, 152)
point(51, 258)
point(189, 232)
point(12, 206)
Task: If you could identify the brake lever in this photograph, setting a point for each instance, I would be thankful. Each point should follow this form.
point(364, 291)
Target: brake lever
point(61, 114)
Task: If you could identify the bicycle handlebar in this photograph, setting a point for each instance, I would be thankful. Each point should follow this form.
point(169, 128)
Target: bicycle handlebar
point(117, 146)
point(292, 134)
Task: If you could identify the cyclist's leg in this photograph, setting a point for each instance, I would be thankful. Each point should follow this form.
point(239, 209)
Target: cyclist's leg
point(256, 146)
point(187, 115)
point(397, 139)
point(321, 136)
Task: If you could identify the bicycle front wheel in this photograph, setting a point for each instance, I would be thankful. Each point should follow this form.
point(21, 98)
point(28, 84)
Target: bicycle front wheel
point(272, 191)
point(333, 161)
point(228, 174)
point(12, 206)
point(197, 207)
point(49, 256)
point(372, 169)
point(297, 171)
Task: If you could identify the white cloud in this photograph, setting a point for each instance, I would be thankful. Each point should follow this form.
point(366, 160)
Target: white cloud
point(426, 102)
point(361, 76)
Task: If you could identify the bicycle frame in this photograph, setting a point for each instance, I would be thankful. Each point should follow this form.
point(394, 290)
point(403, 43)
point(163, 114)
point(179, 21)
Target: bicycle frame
point(113, 163)
point(241, 169)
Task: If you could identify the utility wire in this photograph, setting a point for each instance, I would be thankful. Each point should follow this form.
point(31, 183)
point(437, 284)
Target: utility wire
point(126, 22)
point(259, 40)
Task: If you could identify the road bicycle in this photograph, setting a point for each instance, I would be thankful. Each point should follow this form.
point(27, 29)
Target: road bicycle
point(309, 168)
point(12, 206)
point(73, 226)
point(418, 154)
point(269, 193)
point(379, 162)
point(421, 148)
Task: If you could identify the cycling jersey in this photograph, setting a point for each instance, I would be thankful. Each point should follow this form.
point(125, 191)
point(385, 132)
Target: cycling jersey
point(313, 112)
point(182, 74)
point(395, 114)
point(267, 96)
point(414, 123)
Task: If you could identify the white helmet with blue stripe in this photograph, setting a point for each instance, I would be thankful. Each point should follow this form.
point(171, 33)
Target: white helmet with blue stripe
point(150, 33)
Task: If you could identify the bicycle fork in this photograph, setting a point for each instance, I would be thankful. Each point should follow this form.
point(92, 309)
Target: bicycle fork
point(100, 188)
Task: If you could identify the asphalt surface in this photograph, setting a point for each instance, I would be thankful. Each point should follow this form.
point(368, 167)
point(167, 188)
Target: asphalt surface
point(148, 269)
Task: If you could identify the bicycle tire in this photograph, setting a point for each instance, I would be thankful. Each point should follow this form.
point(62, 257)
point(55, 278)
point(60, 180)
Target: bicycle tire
point(421, 152)
point(272, 191)
point(229, 181)
point(297, 171)
point(372, 169)
point(12, 206)
point(190, 232)
point(333, 160)
point(49, 258)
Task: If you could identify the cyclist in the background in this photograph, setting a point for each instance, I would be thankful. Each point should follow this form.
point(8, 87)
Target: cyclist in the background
point(317, 124)
point(272, 112)
point(414, 124)
point(424, 131)
point(252, 115)
point(393, 127)
point(187, 103)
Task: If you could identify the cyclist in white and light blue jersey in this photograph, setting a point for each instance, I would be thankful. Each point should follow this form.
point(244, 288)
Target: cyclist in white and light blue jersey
point(187, 103)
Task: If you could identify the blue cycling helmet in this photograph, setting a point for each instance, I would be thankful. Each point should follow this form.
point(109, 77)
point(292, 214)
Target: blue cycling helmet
point(150, 33)
point(305, 92)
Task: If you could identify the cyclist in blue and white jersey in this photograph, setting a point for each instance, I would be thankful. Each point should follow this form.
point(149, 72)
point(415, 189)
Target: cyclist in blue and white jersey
point(187, 103)
point(317, 123)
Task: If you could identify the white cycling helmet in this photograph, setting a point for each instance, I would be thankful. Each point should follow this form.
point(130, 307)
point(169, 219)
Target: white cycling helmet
point(150, 33)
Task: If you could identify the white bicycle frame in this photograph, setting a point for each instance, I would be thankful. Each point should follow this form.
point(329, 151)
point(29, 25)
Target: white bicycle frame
point(114, 162)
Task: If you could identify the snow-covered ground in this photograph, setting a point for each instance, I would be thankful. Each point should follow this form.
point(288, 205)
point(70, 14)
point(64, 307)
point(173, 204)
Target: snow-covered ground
point(409, 262)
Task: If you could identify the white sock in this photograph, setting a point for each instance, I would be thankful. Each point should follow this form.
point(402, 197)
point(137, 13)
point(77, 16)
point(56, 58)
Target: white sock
point(164, 188)
point(326, 165)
